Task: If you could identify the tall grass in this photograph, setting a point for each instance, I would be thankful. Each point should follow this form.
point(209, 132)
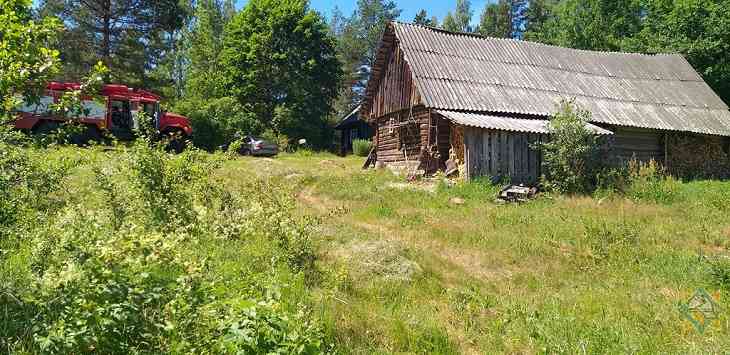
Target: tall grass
point(361, 147)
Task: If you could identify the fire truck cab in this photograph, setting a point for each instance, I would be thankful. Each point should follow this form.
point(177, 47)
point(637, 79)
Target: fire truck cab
point(117, 113)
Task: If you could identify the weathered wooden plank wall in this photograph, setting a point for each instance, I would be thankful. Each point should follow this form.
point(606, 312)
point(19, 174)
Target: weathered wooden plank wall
point(501, 154)
point(397, 90)
point(636, 143)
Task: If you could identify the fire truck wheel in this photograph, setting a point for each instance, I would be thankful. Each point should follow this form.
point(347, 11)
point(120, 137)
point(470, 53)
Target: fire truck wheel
point(176, 142)
point(90, 133)
point(93, 133)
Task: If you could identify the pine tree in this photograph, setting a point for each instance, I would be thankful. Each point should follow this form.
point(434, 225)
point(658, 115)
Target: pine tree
point(496, 20)
point(423, 19)
point(358, 38)
point(504, 19)
point(119, 32)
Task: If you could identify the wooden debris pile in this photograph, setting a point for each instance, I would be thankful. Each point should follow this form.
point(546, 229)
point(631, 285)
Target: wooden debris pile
point(514, 193)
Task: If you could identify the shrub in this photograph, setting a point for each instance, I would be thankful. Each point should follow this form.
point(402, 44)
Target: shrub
point(720, 272)
point(125, 269)
point(571, 157)
point(215, 121)
point(260, 328)
point(361, 147)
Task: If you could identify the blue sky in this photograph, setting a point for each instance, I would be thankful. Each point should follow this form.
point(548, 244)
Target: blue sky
point(409, 7)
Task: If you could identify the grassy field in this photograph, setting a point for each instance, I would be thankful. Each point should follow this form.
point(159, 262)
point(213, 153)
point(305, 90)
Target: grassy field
point(408, 271)
point(408, 268)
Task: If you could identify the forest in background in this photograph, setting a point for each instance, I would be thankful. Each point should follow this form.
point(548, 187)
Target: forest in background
point(126, 249)
point(281, 69)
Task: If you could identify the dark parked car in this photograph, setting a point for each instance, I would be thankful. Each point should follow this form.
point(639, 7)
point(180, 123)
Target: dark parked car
point(255, 146)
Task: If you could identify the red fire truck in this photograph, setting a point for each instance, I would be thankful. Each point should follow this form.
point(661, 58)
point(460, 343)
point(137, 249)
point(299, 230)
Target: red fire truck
point(117, 113)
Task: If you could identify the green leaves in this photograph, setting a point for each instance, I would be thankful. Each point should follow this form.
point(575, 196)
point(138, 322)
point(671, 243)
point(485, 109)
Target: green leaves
point(570, 156)
point(155, 255)
point(26, 60)
point(279, 57)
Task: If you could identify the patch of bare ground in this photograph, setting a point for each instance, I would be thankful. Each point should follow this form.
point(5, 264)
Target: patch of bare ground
point(316, 203)
point(427, 186)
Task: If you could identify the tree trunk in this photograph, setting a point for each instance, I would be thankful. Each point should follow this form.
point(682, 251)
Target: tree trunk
point(106, 33)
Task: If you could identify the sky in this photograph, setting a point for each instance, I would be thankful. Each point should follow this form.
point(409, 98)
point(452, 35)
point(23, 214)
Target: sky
point(409, 7)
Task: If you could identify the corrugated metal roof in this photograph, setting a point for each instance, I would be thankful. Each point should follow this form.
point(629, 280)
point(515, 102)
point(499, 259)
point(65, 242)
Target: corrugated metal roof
point(508, 123)
point(465, 72)
point(353, 117)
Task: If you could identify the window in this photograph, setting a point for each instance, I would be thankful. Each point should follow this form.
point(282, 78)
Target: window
point(121, 114)
point(93, 109)
point(42, 107)
point(391, 126)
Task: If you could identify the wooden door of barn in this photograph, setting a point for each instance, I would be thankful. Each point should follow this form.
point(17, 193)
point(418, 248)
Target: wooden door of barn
point(502, 154)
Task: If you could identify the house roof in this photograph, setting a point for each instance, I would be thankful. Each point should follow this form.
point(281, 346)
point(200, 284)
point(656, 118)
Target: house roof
point(350, 119)
point(508, 123)
point(471, 73)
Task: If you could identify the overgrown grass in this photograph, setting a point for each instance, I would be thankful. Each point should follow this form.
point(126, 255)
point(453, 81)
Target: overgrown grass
point(388, 267)
point(555, 275)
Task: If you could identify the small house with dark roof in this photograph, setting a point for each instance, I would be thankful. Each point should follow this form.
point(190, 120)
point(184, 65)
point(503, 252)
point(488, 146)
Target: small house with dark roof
point(352, 127)
point(435, 94)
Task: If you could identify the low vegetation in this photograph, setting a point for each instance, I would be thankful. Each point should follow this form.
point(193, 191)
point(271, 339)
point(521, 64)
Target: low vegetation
point(361, 147)
point(135, 250)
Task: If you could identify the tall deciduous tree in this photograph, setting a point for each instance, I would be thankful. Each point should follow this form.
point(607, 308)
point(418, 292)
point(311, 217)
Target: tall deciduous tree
point(460, 19)
point(593, 24)
point(698, 29)
point(205, 46)
point(280, 62)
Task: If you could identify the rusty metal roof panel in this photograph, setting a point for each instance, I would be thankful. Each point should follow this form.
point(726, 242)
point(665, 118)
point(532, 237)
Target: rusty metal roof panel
point(471, 73)
point(508, 123)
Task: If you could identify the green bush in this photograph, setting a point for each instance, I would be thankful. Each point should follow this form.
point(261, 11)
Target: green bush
point(571, 156)
point(127, 268)
point(215, 121)
point(361, 147)
point(720, 272)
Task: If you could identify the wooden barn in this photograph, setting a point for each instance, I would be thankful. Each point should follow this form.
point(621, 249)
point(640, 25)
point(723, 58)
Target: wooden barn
point(435, 94)
point(352, 127)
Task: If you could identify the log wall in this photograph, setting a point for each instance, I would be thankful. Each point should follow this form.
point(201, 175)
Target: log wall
point(402, 135)
point(501, 154)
